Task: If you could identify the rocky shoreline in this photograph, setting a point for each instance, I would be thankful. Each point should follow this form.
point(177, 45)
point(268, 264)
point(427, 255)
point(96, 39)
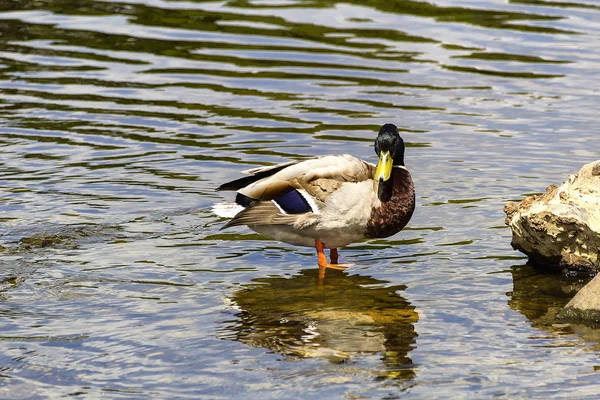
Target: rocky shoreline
point(560, 230)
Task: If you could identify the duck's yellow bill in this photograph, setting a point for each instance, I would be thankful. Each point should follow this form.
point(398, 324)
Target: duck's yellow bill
point(384, 166)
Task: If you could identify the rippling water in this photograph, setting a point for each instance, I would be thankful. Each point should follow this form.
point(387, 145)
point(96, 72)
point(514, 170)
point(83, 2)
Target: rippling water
point(119, 119)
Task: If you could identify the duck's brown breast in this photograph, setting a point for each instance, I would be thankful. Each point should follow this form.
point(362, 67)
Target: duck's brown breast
point(391, 216)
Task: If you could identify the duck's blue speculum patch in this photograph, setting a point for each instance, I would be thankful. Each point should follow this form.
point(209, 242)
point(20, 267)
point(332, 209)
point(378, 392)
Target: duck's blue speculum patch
point(292, 202)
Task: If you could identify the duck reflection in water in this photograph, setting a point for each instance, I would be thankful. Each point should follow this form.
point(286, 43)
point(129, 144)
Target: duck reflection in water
point(336, 319)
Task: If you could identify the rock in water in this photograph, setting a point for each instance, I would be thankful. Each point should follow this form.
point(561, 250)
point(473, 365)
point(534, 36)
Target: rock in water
point(585, 306)
point(561, 227)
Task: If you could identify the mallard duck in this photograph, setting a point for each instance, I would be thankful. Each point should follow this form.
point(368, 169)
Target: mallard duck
point(328, 201)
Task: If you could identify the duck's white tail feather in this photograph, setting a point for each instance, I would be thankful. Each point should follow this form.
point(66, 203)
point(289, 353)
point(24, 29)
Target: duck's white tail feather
point(227, 210)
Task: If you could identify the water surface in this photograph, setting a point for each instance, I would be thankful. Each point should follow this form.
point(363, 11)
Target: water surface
point(120, 118)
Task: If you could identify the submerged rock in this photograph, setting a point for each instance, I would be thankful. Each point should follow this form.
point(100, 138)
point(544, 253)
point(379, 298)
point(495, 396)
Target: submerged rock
point(540, 295)
point(62, 236)
point(561, 227)
point(585, 306)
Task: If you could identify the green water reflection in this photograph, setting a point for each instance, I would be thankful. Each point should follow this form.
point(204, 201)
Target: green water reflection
point(539, 295)
point(336, 318)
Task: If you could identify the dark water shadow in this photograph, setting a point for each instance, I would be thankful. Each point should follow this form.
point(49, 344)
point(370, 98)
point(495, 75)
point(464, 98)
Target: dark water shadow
point(337, 318)
point(540, 296)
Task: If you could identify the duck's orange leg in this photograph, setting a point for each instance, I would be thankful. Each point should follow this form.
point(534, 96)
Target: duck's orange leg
point(321, 253)
point(333, 256)
point(323, 259)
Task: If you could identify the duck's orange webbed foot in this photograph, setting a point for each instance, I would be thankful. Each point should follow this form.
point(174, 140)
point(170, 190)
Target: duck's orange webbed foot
point(333, 255)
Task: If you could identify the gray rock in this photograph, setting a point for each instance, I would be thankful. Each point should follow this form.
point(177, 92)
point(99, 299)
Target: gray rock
point(585, 306)
point(561, 227)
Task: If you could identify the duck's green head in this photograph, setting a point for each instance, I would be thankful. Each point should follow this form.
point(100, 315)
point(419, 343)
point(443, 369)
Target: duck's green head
point(389, 146)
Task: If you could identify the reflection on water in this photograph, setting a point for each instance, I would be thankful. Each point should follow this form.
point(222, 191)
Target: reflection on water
point(337, 318)
point(539, 296)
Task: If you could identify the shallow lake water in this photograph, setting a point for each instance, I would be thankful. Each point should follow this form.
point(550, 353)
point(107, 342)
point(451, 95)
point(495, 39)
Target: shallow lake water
point(118, 119)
